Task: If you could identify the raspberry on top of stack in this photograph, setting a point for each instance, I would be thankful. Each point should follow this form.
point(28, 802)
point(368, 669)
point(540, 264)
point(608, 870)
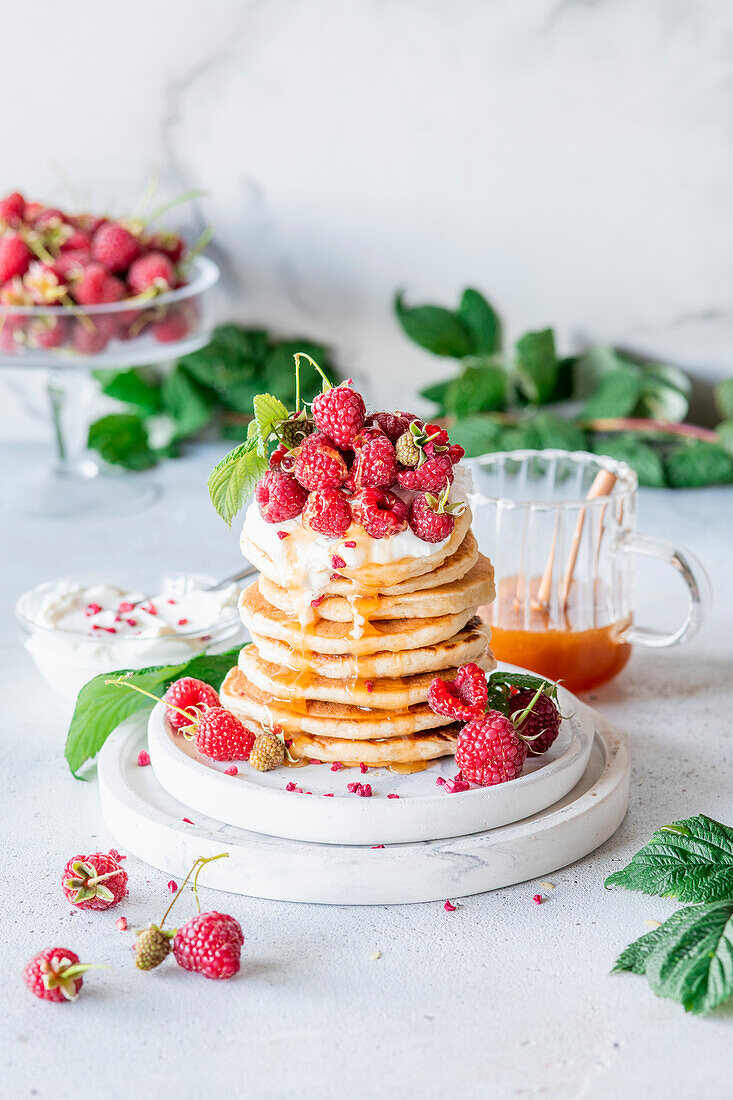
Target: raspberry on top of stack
point(370, 579)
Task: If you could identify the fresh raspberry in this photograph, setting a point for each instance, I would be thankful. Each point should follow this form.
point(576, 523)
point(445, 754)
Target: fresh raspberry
point(489, 750)
point(431, 519)
point(49, 218)
point(268, 752)
point(152, 270)
point(69, 266)
point(115, 247)
point(440, 437)
point(221, 736)
point(12, 209)
point(47, 332)
point(88, 223)
point(542, 725)
point(55, 974)
point(375, 466)
point(407, 451)
point(379, 512)
point(77, 241)
point(152, 946)
point(296, 429)
point(318, 465)
point(15, 256)
point(97, 287)
point(172, 327)
point(98, 881)
point(329, 512)
point(187, 694)
point(455, 453)
point(278, 455)
point(209, 944)
point(88, 341)
point(279, 496)
point(392, 424)
point(339, 413)
point(462, 698)
point(431, 477)
point(32, 210)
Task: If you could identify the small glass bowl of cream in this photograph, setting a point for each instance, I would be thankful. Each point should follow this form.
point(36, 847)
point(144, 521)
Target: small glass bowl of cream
point(77, 627)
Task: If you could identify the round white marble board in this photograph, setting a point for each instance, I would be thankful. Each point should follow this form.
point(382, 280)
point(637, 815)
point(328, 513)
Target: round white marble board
point(148, 822)
point(424, 810)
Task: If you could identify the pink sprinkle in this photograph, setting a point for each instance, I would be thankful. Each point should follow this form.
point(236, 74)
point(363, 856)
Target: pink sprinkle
point(440, 782)
point(365, 790)
point(172, 886)
point(351, 787)
point(93, 609)
point(349, 545)
point(328, 796)
point(118, 618)
point(393, 796)
point(170, 601)
point(283, 534)
point(126, 606)
point(338, 562)
point(336, 766)
point(363, 768)
point(183, 622)
point(143, 759)
point(369, 685)
point(537, 899)
point(131, 622)
point(234, 770)
point(314, 761)
point(318, 601)
point(106, 629)
point(335, 576)
point(187, 820)
point(152, 609)
point(299, 790)
point(449, 908)
point(290, 786)
point(377, 845)
point(121, 923)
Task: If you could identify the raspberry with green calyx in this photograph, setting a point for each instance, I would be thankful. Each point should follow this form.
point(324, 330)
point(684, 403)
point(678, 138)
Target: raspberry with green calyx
point(293, 431)
point(56, 974)
point(152, 947)
point(536, 718)
point(432, 518)
point(268, 752)
point(97, 881)
point(407, 450)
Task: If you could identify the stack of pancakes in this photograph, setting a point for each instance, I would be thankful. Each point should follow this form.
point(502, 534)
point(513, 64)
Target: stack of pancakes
point(348, 681)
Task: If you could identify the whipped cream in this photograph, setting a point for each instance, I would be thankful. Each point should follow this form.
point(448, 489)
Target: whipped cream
point(77, 631)
point(304, 564)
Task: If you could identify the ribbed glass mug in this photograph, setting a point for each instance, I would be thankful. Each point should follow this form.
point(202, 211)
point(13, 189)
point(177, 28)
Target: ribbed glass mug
point(564, 563)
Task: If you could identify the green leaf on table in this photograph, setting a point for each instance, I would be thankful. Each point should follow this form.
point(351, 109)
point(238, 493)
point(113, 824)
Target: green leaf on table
point(696, 463)
point(477, 435)
point(659, 400)
point(626, 447)
point(480, 387)
point(633, 959)
point(725, 435)
point(690, 860)
point(234, 478)
point(101, 707)
point(230, 365)
point(693, 962)
point(437, 329)
point(269, 412)
point(482, 322)
point(591, 368)
point(724, 398)
point(437, 392)
point(537, 365)
point(122, 440)
point(555, 431)
point(130, 386)
point(186, 402)
point(615, 395)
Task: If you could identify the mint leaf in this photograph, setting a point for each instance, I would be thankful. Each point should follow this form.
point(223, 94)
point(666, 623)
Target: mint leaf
point(437, 393)
point(537, 365)
point(130, 387)
point(724, 398)
point(615, 395)
point(690, 860)
point(554, 431)
point(627, 447)
point(692, 963)
point(100, 707)
point(121, 439)
point(633, 959)
point(186, 402)
point(233, 479)
point(477, 435)
point(478, 388)
point(269, 412)
point(725, 435)
point(659, 400)
point(434, 328)
point(698, 463)
point(482, 322)
point(591, 368)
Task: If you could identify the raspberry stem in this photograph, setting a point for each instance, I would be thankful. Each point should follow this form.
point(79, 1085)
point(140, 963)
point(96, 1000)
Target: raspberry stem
point(327, 385)
point(197, 864)
point(122, 682)
point(524, 715)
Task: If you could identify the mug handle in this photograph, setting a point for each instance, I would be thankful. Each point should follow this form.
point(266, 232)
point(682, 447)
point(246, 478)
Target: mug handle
point(692, 571)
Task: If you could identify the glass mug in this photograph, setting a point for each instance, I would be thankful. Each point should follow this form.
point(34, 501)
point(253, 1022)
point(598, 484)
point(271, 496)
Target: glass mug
point(564, 563)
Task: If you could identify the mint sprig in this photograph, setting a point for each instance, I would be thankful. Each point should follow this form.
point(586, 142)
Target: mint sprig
point(100, 708)
point(689, 958)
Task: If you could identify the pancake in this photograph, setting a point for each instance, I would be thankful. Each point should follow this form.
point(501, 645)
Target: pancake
point(475, 588)
point(465, 645)
point(394, 635)
point(382, 693)
point(392, 750)
point(322, 719)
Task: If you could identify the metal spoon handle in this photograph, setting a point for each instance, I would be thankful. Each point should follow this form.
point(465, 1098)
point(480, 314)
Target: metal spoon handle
point(248, 571)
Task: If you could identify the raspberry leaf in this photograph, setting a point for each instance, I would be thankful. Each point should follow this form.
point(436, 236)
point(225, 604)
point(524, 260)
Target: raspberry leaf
point(481, 320)
point(692, 960)
point(437, 329)
point(690, 860)
point(537, 365)
point(269, 412)
point(234, 478)
point(100, 707)
point(633, 959)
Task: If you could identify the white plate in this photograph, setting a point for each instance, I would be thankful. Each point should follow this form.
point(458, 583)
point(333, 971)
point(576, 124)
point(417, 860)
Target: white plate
point(424, 811)
point(145, 820)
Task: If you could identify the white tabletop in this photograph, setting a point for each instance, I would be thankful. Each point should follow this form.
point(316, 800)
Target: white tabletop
point(501, 998)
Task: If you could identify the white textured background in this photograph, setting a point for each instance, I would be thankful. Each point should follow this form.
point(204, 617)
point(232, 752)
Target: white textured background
point(571, 157)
